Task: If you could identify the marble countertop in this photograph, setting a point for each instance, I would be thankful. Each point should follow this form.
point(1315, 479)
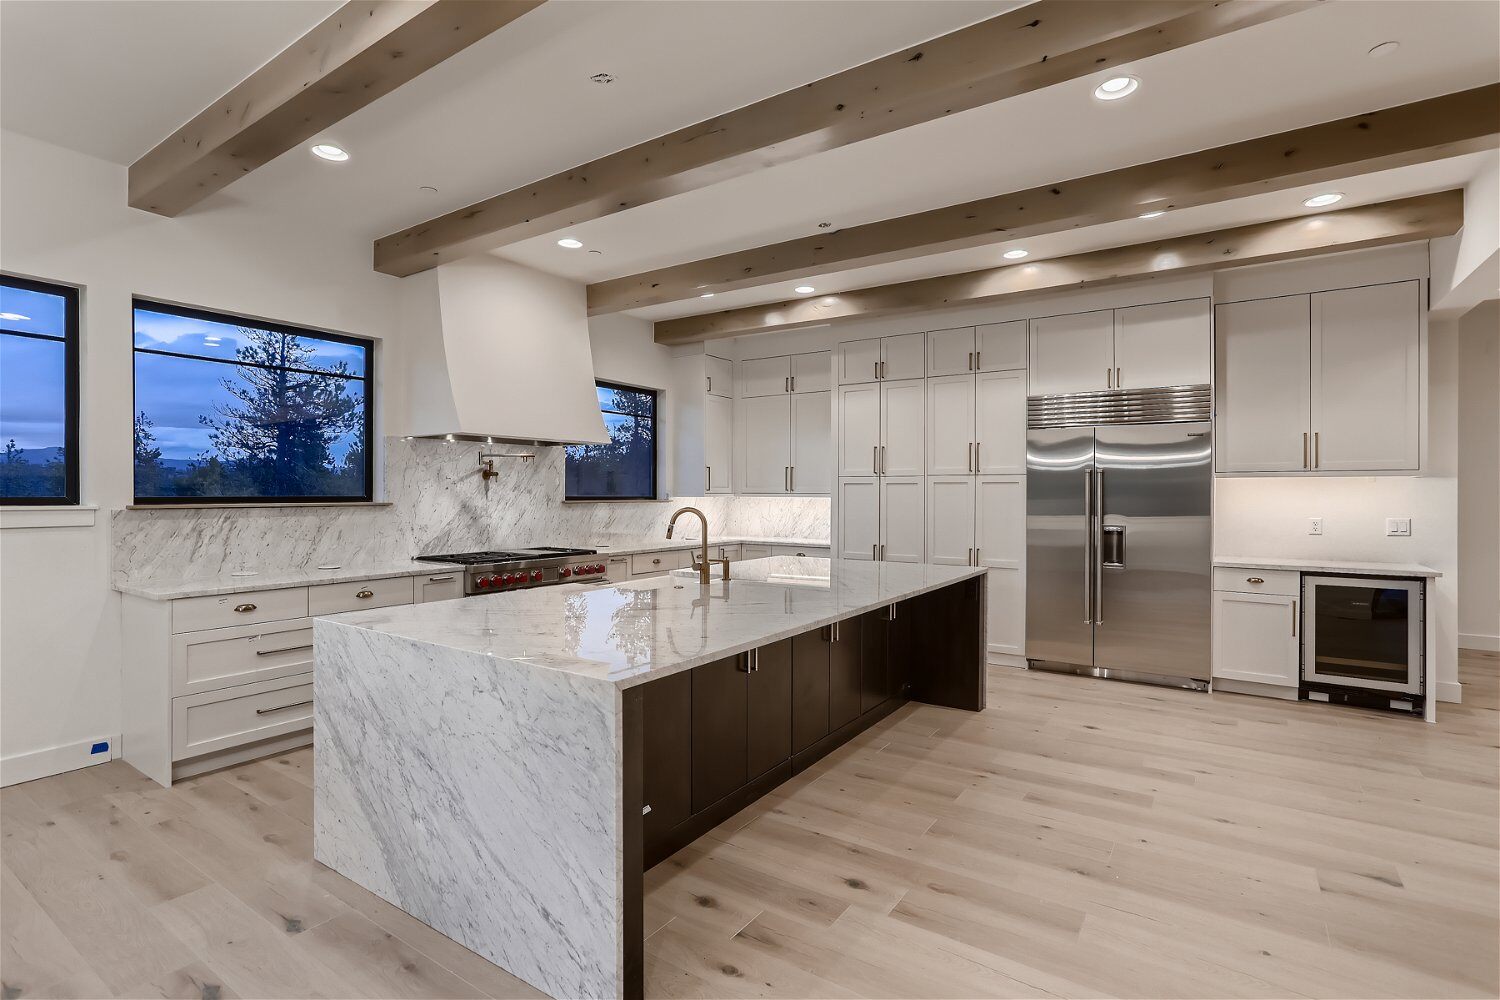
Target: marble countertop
point(227, 583)
point(628, 633)
point(1330, 566)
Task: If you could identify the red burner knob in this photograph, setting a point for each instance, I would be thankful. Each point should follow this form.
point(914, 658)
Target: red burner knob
point(482, 582)
point(565, 572)
point(536, 575)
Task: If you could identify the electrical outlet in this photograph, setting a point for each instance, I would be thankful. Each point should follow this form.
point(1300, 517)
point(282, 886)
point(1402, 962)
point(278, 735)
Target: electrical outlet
point(1398, 527)
point(1315, 526)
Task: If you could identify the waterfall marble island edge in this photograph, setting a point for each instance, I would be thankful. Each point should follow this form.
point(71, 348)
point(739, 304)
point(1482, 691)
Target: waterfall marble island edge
point(485, 764)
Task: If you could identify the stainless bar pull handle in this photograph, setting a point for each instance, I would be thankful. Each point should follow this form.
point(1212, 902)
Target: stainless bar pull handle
point(1294, 616)
point(708, 477)
point(794, 383)
point(283, 649)
point(882, 551)
point(1099, 549)
point(1304, 449)
point(282, 708)
point(882, 460)
point(1109, 378)
point(710, 380)
point(439, 579)
point(874, 551)
point(978, 360)
point(1088, 544)
point(786, 384)
point(890, 613)
point(1317, 449)
point(791, 479)
point(1119, 382)
point(875, 460)
point(976, 457)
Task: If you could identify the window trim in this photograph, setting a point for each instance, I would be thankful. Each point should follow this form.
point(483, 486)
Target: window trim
point(655, 395)
point(69, 294)
point(272, 326)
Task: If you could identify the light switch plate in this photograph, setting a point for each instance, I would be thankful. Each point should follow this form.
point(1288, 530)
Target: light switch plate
point(1315, 526)
point(1398, 527)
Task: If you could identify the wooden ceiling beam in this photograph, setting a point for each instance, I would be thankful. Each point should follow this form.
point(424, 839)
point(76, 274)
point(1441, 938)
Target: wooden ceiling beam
point(1423, 217)
point(1041, 44)
point(361, 52)
point(1434, 129)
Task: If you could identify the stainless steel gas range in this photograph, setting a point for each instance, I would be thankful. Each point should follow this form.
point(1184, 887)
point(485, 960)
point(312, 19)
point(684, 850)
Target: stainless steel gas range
point(521, 569)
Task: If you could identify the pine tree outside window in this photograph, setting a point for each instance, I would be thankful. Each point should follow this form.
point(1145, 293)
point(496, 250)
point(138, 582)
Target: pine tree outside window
point(625, 468)
point(38, 393)
point(234, 410)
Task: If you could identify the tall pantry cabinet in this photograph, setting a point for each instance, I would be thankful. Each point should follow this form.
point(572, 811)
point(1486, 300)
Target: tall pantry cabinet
point(785, 424)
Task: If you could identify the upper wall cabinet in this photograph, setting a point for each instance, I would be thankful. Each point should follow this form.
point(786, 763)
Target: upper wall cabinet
point(1000, 346)
point(765, 377)
point(719, 376)
point(1140, 347)
point(812, 372)
point(950, 352)
point(1327, 382)
point(888, 358)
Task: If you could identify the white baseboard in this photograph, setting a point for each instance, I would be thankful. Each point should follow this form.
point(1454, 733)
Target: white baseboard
point(1476, 640)
point(1004, 659)
point(1450, 691)
point(55, 760)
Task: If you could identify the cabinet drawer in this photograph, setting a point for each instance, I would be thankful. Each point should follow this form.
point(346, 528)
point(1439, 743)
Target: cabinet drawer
point(811, 551)
point(648, 563)
point(192, 614)
point(218, 720)
point(442, 587)
point(752, 551)
point(1287, 583)
point(331, 598)
point(730, 552)
point(240, 654)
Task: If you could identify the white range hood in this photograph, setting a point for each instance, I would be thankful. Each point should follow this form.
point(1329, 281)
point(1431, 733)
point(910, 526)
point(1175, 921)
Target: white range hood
point(497, 350)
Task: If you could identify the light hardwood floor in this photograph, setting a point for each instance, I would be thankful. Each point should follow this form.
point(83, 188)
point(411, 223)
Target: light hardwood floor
point(1079, 838)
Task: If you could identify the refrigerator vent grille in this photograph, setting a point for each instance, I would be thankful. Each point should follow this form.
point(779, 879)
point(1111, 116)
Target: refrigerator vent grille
point(1171, 405)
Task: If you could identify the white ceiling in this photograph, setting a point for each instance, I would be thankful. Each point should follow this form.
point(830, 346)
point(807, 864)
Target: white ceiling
point(112, 78)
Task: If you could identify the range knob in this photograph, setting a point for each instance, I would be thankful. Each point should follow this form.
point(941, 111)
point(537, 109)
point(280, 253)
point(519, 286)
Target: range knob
point(536, 575)
point(598, 567)
point(509, 578)
point(565, 572)
point(482, 583)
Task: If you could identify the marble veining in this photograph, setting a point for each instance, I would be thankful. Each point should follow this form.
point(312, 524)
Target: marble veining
point(1329, 566)
point(438, 503)
point(485, 803)
point(636, 631)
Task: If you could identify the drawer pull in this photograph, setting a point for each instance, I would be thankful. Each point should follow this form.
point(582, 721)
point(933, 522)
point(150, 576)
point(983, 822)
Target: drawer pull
point(364, 594)
point(1254, 579)
point(244, 609)
point(280, 708)
point(439, 579)
point(656, 562)
point(283, 649)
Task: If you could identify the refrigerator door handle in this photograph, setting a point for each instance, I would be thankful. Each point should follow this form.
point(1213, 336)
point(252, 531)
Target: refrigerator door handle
point(1088, 555)
point(1099, 549)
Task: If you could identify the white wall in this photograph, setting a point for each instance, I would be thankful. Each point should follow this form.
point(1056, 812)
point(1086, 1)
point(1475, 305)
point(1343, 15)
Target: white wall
point(65, 219)
point(1479, 478)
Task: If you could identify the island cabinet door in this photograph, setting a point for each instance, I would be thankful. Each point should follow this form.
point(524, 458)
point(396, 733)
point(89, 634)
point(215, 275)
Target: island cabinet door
point(769, 741)
point(810, 688)
point(666, 760)
point(874, 658)
point(720, 715)
point(901, 648)
point(846, 684)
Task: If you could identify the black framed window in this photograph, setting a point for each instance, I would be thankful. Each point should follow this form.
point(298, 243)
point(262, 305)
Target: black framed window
point(236, 410)
point(38, 392)
point(625, 468)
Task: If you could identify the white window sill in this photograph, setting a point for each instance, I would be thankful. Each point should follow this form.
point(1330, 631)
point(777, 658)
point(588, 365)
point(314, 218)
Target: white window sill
point(47, 517)
point(257, 506)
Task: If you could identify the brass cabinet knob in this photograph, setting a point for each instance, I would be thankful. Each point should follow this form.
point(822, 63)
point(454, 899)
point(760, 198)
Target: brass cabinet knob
point(244, 609)
point(1254, 579)
point(363, 594)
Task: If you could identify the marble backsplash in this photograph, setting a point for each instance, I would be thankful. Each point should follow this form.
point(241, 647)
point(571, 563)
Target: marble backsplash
point(438, 503)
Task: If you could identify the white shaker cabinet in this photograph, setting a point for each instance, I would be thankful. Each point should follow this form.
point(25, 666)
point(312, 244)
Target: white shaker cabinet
point(766, 443)
point(1000, 422)
point(950, 521)
point(1164, 343)
point(859, 429)
point(1000, 346)
point(1255, 638)
point(718, 376)
point(859, 518)
point(718, 444)
point(1000, 546)
point(901, 519)
point(903, 443)
point(1262, 391)
point(812, 442)
point(1073, 353)
point(950, 352)
point(950, 425)
point(859, 361)
point(903, 357)
point(765, 376)
point(1366, 405)
point(812, 372)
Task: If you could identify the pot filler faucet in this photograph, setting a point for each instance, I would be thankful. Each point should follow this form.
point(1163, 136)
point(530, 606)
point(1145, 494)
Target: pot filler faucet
point(703, 563)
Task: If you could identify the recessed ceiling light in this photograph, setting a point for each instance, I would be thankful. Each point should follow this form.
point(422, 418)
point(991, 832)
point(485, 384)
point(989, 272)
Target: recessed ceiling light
point(1116, 87)
point(804, 289)
point(1155, 213)
point(570, 243)
point(328, 151)
point(1324, 200)
point(706, 295)
point(1015, 254)
point(14, 317)
point(1384, 49)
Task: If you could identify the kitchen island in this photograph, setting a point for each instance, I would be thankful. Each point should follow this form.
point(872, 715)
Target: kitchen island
point(505, 768)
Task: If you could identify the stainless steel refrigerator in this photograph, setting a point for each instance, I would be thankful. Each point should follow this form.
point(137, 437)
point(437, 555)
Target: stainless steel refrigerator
point(1118, 566)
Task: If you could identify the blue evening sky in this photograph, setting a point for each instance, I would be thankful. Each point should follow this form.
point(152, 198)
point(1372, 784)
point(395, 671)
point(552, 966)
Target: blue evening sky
point(31, 371)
